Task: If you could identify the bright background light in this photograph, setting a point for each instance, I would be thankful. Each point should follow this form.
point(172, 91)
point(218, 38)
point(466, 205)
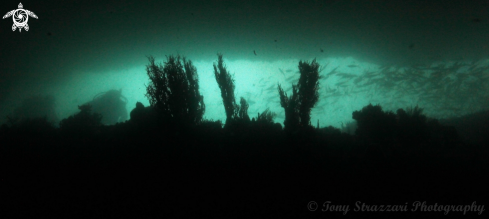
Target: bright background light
point(256, 81)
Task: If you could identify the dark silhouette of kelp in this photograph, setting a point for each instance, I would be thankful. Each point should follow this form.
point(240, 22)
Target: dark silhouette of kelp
point(266, 116)
point(226, 85)
point(291, 108)
point(308, 89)
point(243, 111)
point(237, 117)
point(305, 95)
point(174, 91)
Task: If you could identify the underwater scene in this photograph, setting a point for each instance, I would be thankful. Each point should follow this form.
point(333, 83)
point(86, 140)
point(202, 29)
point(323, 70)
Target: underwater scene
point(443, 89)
point(253, 109)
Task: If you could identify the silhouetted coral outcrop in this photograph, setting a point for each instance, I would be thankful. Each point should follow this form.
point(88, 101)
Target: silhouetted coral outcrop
point(349, 127)
point(412, 126)
point(445, 136)
point(208, 128)
point(36, 107)
point(83, 124)
point(408, 128)
point(111, 105)
point(473, 128)
point(144, 117)
point(30, 127)
point(374, 125)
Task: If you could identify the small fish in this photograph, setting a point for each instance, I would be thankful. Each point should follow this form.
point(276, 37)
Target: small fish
point(346, 75)
point(360, 91)
point(320, 49)
point(290, 78)
point(328, 89)
point(335, 101)
point(323, 67)
point(332, 72)
point(270, 88)
point(352, 66)
point(318, 109)
point(341, 83)
point(270, 99)
point(357, 80)
point(332, 95)
point(281, 71)
point(254, 52)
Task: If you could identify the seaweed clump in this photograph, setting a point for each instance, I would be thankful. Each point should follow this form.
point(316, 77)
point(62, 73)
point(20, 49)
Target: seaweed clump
point(242, 110)
point(226, 85)
point(264, 122)
point(305, 95)
point(237, 119)
point(174, 91)
point(308, 87)
point(236, 115)
point(291, 108)
point(266, 117)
